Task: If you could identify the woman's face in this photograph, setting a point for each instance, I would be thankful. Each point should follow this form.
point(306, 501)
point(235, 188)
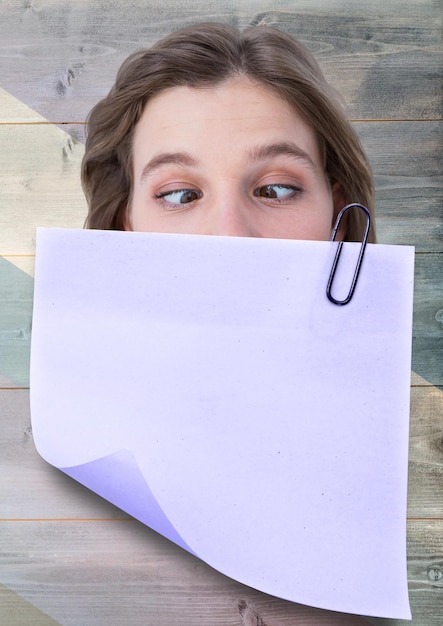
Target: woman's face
point(234, 159)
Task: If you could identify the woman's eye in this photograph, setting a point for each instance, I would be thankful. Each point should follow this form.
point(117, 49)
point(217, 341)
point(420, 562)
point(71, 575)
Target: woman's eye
point(278, 192)
point(180, 196)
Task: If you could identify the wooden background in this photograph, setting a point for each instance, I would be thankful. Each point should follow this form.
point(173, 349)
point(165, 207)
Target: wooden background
point(67, 556)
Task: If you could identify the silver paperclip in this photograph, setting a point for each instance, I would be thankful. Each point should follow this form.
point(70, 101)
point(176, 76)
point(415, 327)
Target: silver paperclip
point(339, 249)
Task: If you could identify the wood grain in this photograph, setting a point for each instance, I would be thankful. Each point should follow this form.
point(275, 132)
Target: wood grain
point(425, 495)
point(66, 555)
point(40, 182)
point(408, 174)
point(16, 292)
point(30, 487)
point(16, 610)
point(137, 577)
point(427, 341)
point(383, 57)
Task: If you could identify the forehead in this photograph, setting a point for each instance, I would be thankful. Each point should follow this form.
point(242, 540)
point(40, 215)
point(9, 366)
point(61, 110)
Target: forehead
point(236, 107)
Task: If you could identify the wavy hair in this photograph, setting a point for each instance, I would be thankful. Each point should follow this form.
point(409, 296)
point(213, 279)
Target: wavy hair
point(205, 55)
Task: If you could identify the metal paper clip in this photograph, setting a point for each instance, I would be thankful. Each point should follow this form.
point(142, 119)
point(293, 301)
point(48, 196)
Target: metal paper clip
point(339, 249)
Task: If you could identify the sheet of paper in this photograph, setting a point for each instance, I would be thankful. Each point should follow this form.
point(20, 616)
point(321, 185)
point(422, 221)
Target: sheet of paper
point(208, 387)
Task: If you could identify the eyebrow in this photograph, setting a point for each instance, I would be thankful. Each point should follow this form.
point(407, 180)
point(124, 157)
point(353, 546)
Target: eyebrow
point(256, 154)
point(285, 148)
point(167, 158)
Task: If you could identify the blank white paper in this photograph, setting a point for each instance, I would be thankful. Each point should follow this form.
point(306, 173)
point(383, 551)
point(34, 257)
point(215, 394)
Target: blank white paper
point(208, 387)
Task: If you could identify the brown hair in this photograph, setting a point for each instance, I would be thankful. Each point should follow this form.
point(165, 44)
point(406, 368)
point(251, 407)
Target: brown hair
point(206, 55)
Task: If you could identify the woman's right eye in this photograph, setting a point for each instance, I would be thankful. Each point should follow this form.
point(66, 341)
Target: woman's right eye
point(179, 196)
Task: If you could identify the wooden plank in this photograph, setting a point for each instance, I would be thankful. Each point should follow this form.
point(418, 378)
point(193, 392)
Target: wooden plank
point(40, 182)
point(30, 487)
point(118, 572)
point(24, 263)
point(425, 496)
point(383, 57)
point(60, 57)
point(13, 111)
point(16, 610)
point(16, 293)
point(408, 173)
point(380, 66)
point(427, 341)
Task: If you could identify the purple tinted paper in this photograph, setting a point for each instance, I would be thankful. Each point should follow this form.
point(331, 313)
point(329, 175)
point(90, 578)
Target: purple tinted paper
point(117, 478)
point(250, 414)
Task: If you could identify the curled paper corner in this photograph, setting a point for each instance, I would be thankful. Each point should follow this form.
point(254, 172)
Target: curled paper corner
point(323, 494)
point(118, 479)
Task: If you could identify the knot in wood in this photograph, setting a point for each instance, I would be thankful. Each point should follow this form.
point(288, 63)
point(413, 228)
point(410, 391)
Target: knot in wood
point(434, 574)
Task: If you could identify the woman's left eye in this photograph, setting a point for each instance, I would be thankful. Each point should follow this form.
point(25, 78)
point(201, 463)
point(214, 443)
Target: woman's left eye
point(279, 192)
point(179, 196)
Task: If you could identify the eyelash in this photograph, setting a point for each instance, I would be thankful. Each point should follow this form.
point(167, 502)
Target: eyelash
point(161, 196)
point(294, 192)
